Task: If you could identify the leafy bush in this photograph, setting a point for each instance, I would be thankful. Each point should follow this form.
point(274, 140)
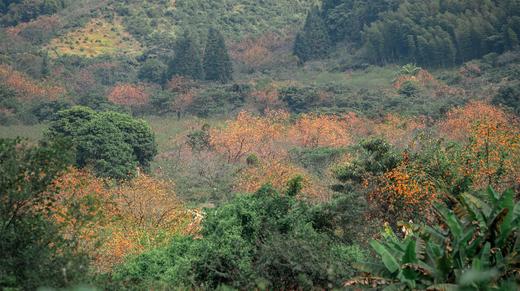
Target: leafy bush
point(409, 89)
point(299, 99)
point(475, 246)
point(152, 70)
point(266, 240)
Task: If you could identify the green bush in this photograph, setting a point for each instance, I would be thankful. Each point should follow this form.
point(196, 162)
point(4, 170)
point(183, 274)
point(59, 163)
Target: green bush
point(299, 100)
point(265, 240)
point(114, 144)
point(409, 89)
point(317, 160)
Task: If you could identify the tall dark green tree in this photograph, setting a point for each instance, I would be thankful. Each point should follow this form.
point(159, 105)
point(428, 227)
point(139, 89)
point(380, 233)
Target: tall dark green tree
point(217, 63)
point(313, 41)
point(187, 61)
point(45, 71)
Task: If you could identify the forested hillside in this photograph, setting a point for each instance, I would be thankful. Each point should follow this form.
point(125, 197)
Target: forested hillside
point(259, 145)
point(430, 33)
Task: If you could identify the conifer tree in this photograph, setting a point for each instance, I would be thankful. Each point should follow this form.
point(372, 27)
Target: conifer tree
point(45, 71)
point(187, 61)
point(217, 63)
point(313, 42)
point(301, 48)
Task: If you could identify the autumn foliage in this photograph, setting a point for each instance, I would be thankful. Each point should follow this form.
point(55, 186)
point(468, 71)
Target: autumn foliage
point(278, 173)
point(129, 95)
point(399, 130)
point(491, 139)
point(404, 192)
point(112, 222)
point(27, 89)
point(312, 131)
point(426, 80)
point(249, 134)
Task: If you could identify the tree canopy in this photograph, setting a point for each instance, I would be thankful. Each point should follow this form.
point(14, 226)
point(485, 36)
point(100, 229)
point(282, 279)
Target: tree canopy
point(114, 144)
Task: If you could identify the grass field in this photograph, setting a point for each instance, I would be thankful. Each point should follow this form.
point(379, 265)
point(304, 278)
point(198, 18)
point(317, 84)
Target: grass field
point(98, 37)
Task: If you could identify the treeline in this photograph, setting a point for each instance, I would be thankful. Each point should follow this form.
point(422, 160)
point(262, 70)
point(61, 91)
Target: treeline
point(188, 61)
point(13, 12)
point(430, 33)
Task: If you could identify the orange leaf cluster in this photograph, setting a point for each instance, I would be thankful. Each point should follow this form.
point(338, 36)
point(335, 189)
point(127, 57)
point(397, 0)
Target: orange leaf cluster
point(460, 122)
point(491, 139)
point(129, 95)
point(398, 130)
point(312, 131)
point(404, 191)
point(249, 134)
point(43, 23)
point(180, 84)
point(267, 98)
point(26, 88)
point(256, 52)
point(112, 223)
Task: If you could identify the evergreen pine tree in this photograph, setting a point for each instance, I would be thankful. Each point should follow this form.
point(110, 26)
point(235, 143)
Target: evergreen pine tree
point(187, 61)
point(45, 71)
point(301, 48)
point(217, 63)
point(313, 42)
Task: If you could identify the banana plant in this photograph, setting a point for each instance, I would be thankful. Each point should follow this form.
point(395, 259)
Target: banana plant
point(476, 246)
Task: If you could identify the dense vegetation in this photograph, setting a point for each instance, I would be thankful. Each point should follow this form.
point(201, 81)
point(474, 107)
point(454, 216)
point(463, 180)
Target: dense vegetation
point(304, 145)
point(430, 33)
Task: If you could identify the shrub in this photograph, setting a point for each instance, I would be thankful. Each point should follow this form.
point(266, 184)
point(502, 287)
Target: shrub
point(266, 240)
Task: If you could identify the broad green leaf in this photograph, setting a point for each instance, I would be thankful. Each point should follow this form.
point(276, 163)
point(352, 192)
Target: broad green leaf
point(388, 259)
point(409, 255)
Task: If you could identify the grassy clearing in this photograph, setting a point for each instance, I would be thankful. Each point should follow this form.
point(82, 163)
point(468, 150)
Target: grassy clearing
point(373, 77)
point(167, 128)
point(97, 37)
point(31, 132)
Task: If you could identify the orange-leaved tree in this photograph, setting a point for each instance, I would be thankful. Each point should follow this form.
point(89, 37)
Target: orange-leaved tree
point(28, 89)
point(312, 131)
point(405, 192)
point(113, 222)
point(250, 134)
point(129, 95)
point(399, 130)
point(490, 144)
